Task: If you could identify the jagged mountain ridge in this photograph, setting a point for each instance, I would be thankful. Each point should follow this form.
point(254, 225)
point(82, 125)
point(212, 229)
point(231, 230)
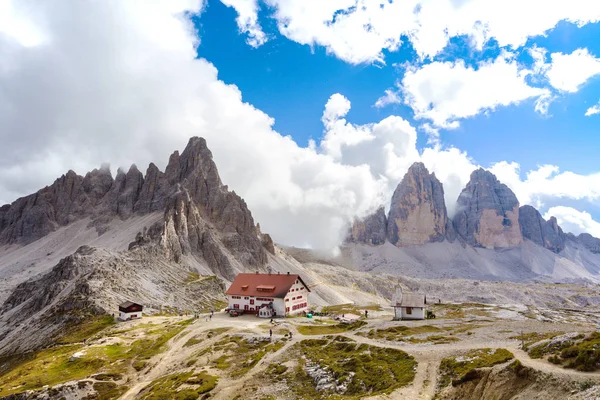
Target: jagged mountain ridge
point(199, 210)
point(489, 217)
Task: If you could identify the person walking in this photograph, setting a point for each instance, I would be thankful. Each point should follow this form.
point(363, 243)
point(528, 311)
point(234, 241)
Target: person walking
point(270, 334)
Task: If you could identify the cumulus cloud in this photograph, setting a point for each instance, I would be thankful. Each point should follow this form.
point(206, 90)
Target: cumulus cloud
point(85, 83)
point(358, 31)
point(574, 221)
point(547, 181)
point(247, 20)
point(445, 92)
point(568, 72)
point(120, 82)
point(593, 110)
point(390, 97)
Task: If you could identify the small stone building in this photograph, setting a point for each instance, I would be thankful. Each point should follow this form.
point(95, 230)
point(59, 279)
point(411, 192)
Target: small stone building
point(130, 310)
point(409, 305)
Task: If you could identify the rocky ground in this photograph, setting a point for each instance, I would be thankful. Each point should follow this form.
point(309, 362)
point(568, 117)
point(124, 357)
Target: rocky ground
point(226, 358)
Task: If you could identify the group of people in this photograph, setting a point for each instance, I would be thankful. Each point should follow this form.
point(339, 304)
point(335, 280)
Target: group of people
point(208, 317)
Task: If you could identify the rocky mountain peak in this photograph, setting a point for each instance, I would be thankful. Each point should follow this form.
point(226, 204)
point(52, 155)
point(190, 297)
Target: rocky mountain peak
point(206, 218)
point(545, 233)
point(488, 213)
point(418, 212)
point(370, 230)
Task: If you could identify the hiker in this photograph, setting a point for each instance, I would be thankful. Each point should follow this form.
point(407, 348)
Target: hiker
point(271, 320)
point(212, 312)
point(366, 314)
point(210, 317)
point(290, 335)
point(270, 334)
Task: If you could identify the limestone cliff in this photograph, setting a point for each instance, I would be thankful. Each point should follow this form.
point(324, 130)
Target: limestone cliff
point(545, 233)
point(202, 218)
point(488, 213)
point(417, 212)
point(370, 230)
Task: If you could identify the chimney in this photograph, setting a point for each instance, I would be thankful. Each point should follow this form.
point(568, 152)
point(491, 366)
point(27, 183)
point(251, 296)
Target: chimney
point(256, 272)
point(288, 272)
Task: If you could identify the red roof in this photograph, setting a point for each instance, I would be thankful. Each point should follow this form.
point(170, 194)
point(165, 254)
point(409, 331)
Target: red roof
point(263, 285)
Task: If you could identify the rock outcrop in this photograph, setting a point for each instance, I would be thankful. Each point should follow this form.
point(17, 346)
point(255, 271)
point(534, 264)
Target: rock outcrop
point(370, 230)
point(488, 213)
point(417, 212)
point(590, 242)
point(545, 233)
point(201, 216)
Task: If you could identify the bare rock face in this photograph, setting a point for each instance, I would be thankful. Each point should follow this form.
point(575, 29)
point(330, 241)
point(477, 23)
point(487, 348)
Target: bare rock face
point(154, 191)
point(370, 230)
point(488, 213)
point(417, 212)
point(545, 233)
point(206, 219)
point(590, 242)
point(32, 217)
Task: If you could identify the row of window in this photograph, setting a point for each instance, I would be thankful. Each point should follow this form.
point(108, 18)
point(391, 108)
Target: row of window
point(296, 307)
point(264, 299)
point(235, 297)
point(297, 290)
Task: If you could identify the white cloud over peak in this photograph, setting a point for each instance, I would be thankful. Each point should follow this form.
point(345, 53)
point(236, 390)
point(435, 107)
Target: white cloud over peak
point(247, 20)
point(120, 82)
point(593, 110)
point(568, 72)
point(574, 221)
point(547, 182)
point(446, 92)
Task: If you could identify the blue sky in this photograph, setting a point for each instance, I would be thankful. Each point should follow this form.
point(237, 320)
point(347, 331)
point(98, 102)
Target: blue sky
point(292, 82)
point(313, 109)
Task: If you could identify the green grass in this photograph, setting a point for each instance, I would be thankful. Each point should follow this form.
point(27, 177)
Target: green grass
point(170, 386)
point(582, 353)
point(406, 333)
point(86, 330)
point(329, 329)
point(108, 390)
point(458, 372)
point(240, 353)
point(49, 367)
point(369, 370)
point(192, 342)
point(351, 309)
point(533, 337)
point(52, 366)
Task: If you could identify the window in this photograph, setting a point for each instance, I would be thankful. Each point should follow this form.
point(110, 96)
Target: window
point(245, 306)
point(409, 310)
point(299, 297)
point(287, 309)
point(236, 306)
point(251, 301)
point(287, 299)
point(246, 298)
point(293, 298)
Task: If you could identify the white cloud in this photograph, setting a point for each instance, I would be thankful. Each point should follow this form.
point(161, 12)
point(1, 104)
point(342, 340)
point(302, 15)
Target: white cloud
point(390, 97)
point(130, 89)
point(593, 110)
point(358, 31)
point(120, 82)
point(547, 182)
point(574, 221)
point(247, 20)
point(445, 92)
point(567, 72)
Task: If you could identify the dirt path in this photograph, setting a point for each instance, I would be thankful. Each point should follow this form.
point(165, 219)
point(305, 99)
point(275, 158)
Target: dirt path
point(428, 357)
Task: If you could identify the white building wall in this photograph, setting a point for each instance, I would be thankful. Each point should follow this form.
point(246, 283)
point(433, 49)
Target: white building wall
point(416, 313)
point(123, 316)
